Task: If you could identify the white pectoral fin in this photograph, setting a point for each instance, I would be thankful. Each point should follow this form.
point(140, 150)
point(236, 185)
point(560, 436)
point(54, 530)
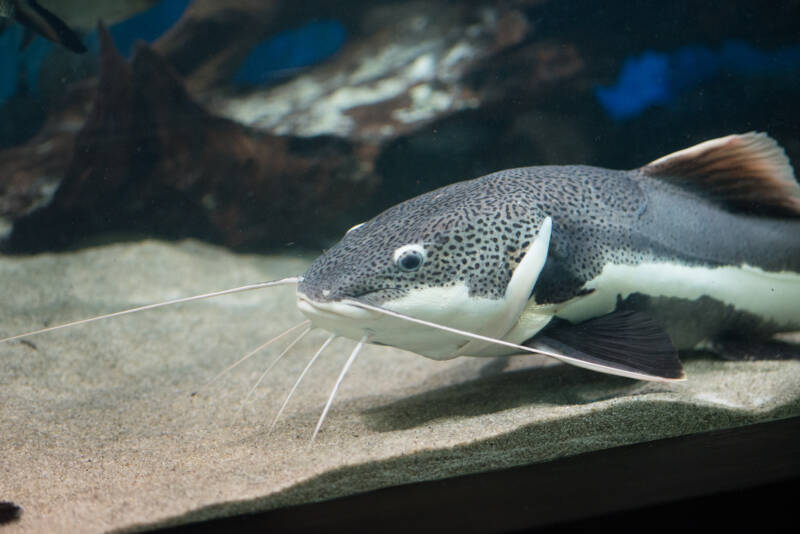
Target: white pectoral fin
point(518, 291)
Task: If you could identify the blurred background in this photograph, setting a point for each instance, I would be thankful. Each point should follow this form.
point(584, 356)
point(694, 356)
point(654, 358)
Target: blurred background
point(264, 125)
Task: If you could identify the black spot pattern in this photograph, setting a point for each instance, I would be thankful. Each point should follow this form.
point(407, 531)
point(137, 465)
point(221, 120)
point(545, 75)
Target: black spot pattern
point(476, 232)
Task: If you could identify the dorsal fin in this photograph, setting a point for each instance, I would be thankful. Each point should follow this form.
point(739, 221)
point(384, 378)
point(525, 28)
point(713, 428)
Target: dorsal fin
point(744, 172)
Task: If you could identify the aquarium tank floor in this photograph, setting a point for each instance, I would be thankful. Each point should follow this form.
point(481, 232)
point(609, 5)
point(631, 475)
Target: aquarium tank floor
point(101, 431)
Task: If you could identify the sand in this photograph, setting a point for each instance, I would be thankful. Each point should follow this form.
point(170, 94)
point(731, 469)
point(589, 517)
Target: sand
point(99, 431)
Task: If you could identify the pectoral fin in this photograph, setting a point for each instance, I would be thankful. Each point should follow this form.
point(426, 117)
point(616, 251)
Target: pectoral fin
point(624, 343)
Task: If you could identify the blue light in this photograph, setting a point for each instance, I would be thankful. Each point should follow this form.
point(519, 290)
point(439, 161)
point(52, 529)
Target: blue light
point(292, 49)
point(643, 82)
point(658, 78)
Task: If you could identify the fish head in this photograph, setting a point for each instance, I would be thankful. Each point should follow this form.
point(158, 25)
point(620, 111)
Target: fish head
point(448, 257)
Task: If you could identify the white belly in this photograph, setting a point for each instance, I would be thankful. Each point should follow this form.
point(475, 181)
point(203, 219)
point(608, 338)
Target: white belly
point(771, 296)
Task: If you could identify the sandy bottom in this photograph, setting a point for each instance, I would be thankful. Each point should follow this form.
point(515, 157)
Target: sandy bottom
point(98, 429)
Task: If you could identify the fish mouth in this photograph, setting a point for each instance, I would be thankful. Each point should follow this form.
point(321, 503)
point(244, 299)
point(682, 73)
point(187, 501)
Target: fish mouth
point(333, 310)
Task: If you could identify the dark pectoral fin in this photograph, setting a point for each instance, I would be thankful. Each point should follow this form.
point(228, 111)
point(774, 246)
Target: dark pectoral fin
point(625, 343)
point(45, 23)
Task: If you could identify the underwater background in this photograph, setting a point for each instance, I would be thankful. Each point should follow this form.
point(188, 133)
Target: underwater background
point(271, 127)
point(260, 124)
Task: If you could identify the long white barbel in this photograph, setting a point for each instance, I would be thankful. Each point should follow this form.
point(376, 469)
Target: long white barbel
point(300, 379)
point(346, 367)
point(250, 287)
point(272, 364)
point(251, 354)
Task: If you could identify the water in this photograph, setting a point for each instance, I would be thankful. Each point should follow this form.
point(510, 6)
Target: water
point(198, 146)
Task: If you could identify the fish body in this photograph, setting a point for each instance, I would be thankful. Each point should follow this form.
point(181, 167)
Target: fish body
point(610, 270)
point(704, 272)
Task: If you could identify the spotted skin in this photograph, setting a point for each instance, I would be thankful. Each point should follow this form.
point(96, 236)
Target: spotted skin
point(474, 232)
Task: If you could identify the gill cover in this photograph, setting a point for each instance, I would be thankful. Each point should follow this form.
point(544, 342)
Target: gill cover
point(517, 293)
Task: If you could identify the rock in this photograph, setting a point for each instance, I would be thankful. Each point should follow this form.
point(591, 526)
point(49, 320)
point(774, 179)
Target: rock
point(408, 66)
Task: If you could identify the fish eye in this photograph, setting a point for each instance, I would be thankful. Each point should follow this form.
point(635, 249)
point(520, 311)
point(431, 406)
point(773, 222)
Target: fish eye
point(409, 258)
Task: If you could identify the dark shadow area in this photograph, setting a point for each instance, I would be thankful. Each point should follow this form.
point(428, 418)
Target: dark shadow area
point(739, 510)
point(753, 470)
point(562, 385)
